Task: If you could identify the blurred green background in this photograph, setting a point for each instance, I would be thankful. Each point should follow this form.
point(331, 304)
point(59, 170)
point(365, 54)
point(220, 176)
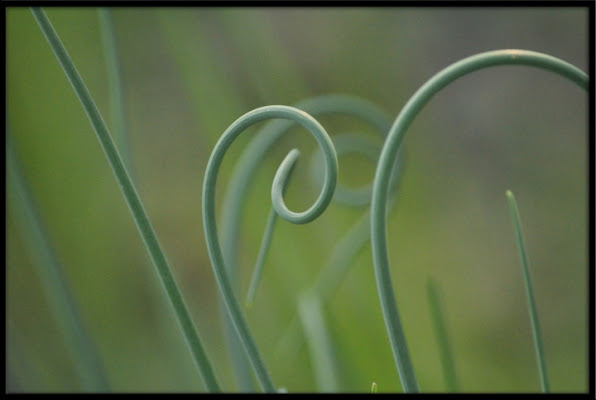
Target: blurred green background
point(187, 74)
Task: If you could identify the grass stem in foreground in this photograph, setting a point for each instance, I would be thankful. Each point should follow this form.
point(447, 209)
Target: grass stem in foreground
point(132, 199)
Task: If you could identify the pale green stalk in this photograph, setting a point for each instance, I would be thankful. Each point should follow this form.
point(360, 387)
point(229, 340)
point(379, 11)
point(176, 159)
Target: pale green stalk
point(532, 309)
point(134, 203)
point(265, 244)
point(320, 344)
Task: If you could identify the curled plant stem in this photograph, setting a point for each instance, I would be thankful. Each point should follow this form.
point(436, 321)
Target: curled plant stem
point(211, 236)
point(532, 309)
point(242, 176)
point(390, 151)
point(134, 203)
point(246, 166)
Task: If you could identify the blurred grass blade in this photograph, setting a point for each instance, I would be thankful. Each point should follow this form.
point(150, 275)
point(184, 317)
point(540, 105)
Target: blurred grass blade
point(532, 309)
point(133, 201)
point(440, 329)
point(320, 345)
point(62, 305)
point(329, 279)
point(117, 111)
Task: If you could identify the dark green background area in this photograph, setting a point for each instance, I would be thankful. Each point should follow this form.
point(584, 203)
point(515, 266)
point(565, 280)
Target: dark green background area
point(187, 74)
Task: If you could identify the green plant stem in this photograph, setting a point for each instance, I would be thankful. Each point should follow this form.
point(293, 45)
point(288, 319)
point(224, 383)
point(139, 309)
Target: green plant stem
point(440, 328)
point(133, 201)
point(386, 161)
point(256, 150)
point(265, 244)
point(211, 236)
point(532, 309)
point(62, 305)
point(243, 175)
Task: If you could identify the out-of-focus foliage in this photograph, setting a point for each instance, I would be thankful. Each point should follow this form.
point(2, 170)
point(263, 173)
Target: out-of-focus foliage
point(188, 73)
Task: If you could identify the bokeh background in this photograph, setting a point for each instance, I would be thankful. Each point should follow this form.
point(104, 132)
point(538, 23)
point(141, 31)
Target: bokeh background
point(187, 74)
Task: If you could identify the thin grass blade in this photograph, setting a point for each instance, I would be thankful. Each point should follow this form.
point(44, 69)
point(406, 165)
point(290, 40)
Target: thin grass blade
point(133, 201)
point(265, 244)
point(319, 342)
point(532, 309)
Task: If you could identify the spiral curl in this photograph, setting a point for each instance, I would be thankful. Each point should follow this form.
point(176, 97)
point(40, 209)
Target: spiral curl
point(213, 245)
point(243, 174)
